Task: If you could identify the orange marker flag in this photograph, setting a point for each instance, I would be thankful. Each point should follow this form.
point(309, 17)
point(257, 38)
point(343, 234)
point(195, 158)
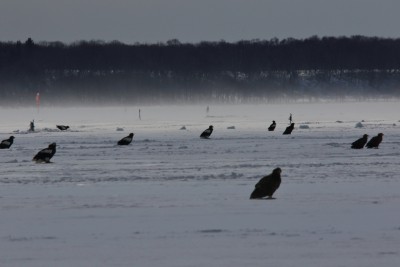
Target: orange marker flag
point(38, 101)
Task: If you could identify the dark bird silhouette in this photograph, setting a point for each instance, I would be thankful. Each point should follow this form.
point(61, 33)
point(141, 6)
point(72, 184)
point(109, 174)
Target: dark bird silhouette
point(32, 126)
point(46, 154)
point(272, 126)
point(62, 127)
point(126, 140)
point(360, 143)
point(375, 141)
point(267, 186)
point(7, 142)
point(207, 132)
point(289, 129)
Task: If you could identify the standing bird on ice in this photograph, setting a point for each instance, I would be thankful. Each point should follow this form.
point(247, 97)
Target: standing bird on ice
point(207, 132)
point(46, 154)
point(289, 129)
point(32, 126)
point(62, 127)
point(375, 141)
point(267, 186)
point(360, 143)
point(126, 140)
point(272, 126)
point(7, 142)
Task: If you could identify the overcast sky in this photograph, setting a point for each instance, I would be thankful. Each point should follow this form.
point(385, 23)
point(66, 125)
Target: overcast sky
point(150, 21)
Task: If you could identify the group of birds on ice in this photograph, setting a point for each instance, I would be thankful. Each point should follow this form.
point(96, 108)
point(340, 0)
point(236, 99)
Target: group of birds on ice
point(363, 142)
point(265, 188)
point(207, 132)
point(288, 129)
point(44, 155)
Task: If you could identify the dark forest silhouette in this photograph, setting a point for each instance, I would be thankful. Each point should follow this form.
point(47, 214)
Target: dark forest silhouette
point(95, 72)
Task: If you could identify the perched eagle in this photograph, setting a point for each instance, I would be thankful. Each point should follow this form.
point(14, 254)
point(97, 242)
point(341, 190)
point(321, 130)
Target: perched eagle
point(126, 140)
point(46, 154)
point(267, 186)
point(360, 143)
point(375, 141)
point(207, 132)
point(62, 127)
point(7, 142)
point(289, 129)
point(272, 126)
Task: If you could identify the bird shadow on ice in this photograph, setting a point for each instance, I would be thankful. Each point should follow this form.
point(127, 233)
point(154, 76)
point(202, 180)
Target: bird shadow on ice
point(333, 144)
point(265, 198)
point(12, 161)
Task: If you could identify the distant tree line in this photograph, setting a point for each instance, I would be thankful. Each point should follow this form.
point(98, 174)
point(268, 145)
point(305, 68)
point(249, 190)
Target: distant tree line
point(92, 72)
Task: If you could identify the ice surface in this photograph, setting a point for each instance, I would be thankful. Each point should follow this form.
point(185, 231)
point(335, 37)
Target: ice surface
point(173, 199)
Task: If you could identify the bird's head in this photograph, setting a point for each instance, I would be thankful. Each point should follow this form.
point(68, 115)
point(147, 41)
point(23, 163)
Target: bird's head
point(211, 127)
point(131, 135)
point(277, 171)
point(12, 137)
point(52, 145)
point(365, 135)
point(380, 134)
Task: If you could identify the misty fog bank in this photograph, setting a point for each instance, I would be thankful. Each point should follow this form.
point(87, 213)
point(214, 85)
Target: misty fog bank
point(77, 103)
point(131, 88)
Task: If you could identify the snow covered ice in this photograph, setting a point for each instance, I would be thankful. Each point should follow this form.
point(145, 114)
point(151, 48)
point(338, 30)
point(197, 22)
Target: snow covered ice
point(173, 199)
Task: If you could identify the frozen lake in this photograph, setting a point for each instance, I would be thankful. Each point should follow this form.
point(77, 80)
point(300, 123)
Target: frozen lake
point(173, 199)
